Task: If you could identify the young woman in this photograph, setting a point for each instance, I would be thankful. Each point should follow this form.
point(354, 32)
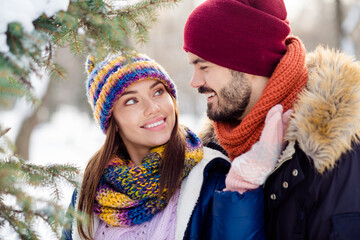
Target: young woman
point(152, 178)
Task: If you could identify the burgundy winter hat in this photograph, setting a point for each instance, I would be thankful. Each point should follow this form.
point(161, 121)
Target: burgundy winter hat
point(243, 35)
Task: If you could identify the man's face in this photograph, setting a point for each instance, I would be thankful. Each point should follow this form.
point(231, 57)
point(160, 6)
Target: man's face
point(228, 92)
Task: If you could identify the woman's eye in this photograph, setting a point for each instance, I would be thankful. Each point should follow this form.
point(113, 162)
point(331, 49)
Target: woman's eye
point(203, 67)
point(130, 102)
point(159, 92)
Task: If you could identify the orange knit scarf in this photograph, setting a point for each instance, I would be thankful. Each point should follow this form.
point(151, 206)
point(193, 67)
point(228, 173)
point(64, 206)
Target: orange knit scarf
point(288, 79)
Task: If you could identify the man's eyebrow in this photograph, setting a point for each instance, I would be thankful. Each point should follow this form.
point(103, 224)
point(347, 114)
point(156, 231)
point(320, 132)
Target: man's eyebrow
point(198, 60)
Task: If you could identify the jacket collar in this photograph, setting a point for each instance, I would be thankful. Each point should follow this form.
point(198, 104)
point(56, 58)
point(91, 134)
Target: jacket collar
point(190, 190)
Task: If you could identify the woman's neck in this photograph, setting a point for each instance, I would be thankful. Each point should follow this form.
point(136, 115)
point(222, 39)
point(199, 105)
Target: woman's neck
point(137, 155)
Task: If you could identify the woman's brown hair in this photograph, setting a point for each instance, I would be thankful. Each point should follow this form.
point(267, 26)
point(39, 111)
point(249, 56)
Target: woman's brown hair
point(171, 168)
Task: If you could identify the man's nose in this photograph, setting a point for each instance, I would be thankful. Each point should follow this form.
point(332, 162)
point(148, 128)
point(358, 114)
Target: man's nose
point(197, 80)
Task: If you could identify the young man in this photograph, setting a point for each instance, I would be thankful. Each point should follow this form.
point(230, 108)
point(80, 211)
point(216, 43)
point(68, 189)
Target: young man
point(247, 65)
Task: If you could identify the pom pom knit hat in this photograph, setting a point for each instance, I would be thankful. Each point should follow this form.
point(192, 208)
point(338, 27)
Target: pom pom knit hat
point(109, 78)
point(242, 35)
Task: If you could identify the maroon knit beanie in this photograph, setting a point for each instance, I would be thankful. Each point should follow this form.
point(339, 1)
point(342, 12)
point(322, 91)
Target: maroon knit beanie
point(243, 35)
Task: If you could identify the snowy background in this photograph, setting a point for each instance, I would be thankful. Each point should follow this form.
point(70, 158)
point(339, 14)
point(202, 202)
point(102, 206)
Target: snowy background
point(71, 136)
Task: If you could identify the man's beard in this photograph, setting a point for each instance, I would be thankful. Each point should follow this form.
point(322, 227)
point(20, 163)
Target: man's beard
point(232, 100)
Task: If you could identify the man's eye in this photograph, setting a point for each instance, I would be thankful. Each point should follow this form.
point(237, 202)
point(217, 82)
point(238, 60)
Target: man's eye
point(203, 67)
point(130, 102)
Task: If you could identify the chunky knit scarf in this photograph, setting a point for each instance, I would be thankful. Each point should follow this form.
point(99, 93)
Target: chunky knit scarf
point(128, 194)
point(288, 79)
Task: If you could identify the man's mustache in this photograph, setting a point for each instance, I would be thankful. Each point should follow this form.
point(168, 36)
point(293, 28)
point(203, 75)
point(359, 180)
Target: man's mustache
point(203, 89)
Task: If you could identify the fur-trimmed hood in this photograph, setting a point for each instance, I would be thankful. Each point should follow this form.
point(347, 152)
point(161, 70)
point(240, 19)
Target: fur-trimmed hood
point(327, 115)
point(326, 119)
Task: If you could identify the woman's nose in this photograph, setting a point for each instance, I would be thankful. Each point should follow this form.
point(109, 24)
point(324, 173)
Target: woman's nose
point(151, 107)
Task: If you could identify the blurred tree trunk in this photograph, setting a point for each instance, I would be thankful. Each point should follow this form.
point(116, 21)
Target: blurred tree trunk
point(22, 142)
point(69, 91)
point(339, 20)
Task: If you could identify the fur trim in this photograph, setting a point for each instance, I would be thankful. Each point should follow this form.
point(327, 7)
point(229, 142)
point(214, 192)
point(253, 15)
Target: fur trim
point(207, 133)
point(326, 118)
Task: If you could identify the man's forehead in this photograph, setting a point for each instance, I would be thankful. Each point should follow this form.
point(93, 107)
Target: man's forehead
point(194, 59)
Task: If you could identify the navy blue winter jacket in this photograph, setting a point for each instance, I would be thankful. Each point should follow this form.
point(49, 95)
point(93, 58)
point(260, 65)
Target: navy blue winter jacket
point(225, 215)
point(314, 193)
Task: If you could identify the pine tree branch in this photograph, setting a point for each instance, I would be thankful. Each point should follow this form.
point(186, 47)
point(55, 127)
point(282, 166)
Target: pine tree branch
point(143, 5)
point(49, 51)
point(3, 132)
point(13, 216)
point(16, 223)
point(76, 42)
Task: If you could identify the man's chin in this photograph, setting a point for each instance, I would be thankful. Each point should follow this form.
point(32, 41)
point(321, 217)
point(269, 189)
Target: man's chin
point(215, 117)
point(221, 117)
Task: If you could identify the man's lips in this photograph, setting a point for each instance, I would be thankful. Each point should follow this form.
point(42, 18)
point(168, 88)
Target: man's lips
point(207, 91)
point(209, 95)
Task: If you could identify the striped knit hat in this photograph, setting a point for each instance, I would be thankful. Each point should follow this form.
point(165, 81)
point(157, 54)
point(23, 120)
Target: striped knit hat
point(109, 78)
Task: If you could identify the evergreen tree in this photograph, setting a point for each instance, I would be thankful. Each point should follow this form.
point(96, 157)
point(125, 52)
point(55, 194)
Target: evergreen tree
point(87, 26)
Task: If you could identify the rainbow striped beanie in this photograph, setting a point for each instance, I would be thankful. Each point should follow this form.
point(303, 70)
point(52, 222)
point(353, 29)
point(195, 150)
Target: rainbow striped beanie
point(108, 79)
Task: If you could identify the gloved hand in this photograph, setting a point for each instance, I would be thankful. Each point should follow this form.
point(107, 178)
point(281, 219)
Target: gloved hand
point(250, 170)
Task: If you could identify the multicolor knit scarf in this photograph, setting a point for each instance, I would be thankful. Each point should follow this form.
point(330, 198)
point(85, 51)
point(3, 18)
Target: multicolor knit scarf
point(288, 79)
point(128, 194)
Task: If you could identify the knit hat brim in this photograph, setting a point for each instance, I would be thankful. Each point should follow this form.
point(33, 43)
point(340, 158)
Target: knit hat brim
point(109, 79)
point(239, 35)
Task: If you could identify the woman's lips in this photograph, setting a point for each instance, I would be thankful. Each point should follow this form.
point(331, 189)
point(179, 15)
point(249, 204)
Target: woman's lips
point(156, 122)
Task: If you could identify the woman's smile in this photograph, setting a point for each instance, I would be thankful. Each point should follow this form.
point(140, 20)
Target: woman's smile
point(155, 124)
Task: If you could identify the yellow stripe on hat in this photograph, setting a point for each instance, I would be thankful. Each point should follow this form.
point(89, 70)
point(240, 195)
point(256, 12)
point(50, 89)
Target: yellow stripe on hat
point(114, 79)
point(98, 78)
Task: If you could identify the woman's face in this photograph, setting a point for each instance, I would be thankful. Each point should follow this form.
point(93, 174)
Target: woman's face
point(145, 116)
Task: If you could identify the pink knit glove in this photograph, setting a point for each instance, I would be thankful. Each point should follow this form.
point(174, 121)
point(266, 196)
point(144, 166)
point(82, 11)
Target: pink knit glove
point(249, 170)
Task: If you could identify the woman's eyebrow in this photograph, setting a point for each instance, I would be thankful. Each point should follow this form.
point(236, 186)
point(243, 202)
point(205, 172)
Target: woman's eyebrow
point(135, 91)
point(128, 92)
point(154, 85)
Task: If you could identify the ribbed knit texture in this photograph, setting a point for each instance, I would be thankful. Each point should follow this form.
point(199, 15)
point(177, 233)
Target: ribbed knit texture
point(108, 80)
point(250, 170)
point(243, 35)
point(128, 195)
point(288, 79)
point(236, 183)
point(161, 227)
